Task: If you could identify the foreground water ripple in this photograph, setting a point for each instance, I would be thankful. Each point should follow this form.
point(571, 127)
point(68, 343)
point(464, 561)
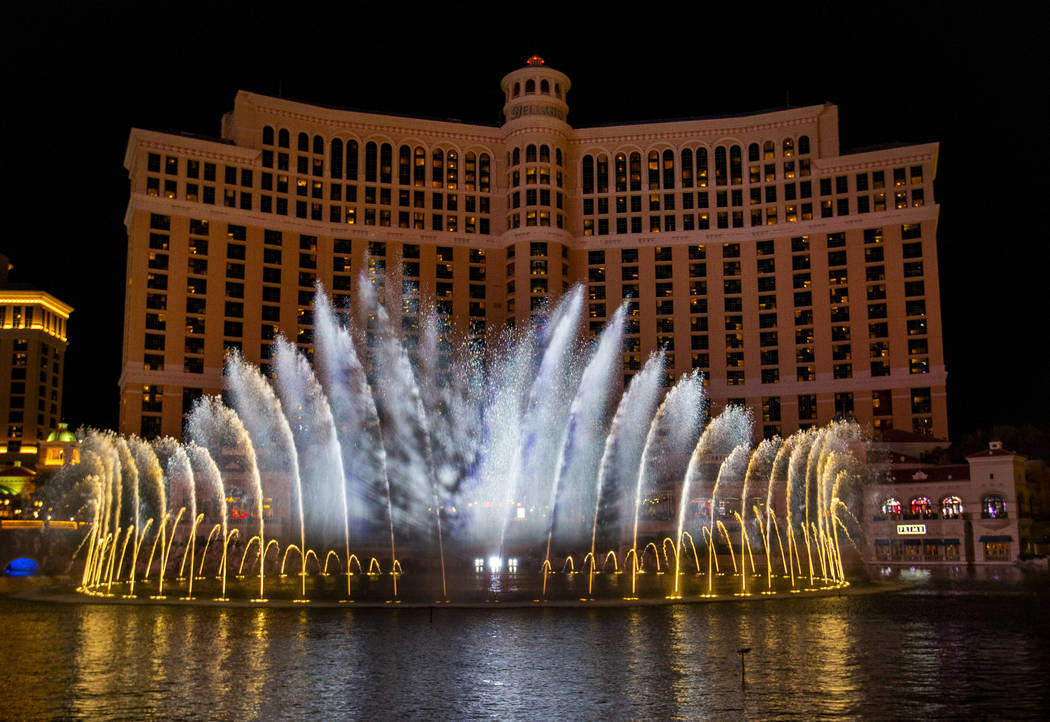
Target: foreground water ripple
point(914, 654)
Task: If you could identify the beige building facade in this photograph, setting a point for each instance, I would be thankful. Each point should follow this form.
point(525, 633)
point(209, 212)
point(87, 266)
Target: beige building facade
point(990, 510)
point(801, 281)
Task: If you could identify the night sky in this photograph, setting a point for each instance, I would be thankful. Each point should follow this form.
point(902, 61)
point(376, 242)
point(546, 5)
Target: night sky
point(78, 79)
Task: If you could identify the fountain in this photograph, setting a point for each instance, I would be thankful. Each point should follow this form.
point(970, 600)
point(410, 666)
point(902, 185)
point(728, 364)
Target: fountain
point(451, 474)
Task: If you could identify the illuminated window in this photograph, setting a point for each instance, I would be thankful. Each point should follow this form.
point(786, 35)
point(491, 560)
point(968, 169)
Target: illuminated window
point(922, 508)
point(951, 507)
point(993, 506)
point(892, 508)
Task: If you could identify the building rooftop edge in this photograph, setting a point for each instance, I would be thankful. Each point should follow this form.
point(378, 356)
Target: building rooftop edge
point(277, 101)
point(11, 292)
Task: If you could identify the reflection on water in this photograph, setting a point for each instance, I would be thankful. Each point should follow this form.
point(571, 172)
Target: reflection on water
point(949, 648)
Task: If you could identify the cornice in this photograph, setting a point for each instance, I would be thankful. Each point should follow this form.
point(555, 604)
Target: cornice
point(689, 129)
point(759, 233)
point(348, 120)
point(866, 160)
point(156, 204)
point(134, 373)
point(826, 382)
point(205, 149)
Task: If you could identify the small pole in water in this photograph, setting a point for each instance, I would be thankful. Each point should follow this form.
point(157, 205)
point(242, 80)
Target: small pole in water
point(431, 615)
point(742, 651)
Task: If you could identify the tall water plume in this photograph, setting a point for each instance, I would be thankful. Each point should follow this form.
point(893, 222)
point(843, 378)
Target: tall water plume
point(313, 428)
point(209, 479)
point(727, 431)
point(153, 496)
point(672, 433)
point(622, 454)
point(572, 496)
point(545, 417)
point(218, 428)
point(357, 425)
point(130, 479)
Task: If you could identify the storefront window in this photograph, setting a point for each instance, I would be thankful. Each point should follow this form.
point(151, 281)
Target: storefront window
point(951, 548)
point(997, 551)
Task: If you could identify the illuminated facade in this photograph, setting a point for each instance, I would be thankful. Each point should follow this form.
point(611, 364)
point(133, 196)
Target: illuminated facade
point(990, 510)
point(32, 350)
point(803, 282)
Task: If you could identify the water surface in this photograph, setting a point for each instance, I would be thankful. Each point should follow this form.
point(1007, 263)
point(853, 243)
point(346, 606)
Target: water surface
point(950, 647)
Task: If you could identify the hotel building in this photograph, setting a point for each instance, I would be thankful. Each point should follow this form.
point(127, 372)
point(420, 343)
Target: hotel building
point(32, 350)
point(801, 281)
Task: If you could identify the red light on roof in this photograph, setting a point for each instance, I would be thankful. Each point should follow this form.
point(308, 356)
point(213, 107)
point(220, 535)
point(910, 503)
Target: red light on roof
point(534, 60)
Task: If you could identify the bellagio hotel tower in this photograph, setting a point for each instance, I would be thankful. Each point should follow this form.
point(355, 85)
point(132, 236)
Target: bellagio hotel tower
point(802, 282)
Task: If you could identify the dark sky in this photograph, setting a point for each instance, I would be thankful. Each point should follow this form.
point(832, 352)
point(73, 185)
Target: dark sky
point(79, 78)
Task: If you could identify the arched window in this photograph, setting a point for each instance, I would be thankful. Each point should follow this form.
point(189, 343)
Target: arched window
point(951, 507)
point(386, 162)
point(318, 145)
point(720, 165)
point(654, 170)
point(557, 90)
point(668, 169)
point(753, 153)
point(268, 135)
point(769, 150)
point(419, 167)
point(603, 173)
point(557, 156)
point(516, 157)
point(545, 87)
point(803, 145)
point(530, 153)
point(736, 172)
point(530, 86)
point(404, 165)
point(303, 142)
point(892, 508)
point(789, 147)
point(687, 168)
point(351, 160)
point(470, 172)
point(620, 169)
point(587, 174)
point(922, 507)
point(993, 506)
point(283, 138)
point(701, 167)
point(636, 171)
point(437, 168)
point(483, 173)
point(517, 89)
point(371, 161)
point(545, 154)
point(335, 168)
point(452, 170)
